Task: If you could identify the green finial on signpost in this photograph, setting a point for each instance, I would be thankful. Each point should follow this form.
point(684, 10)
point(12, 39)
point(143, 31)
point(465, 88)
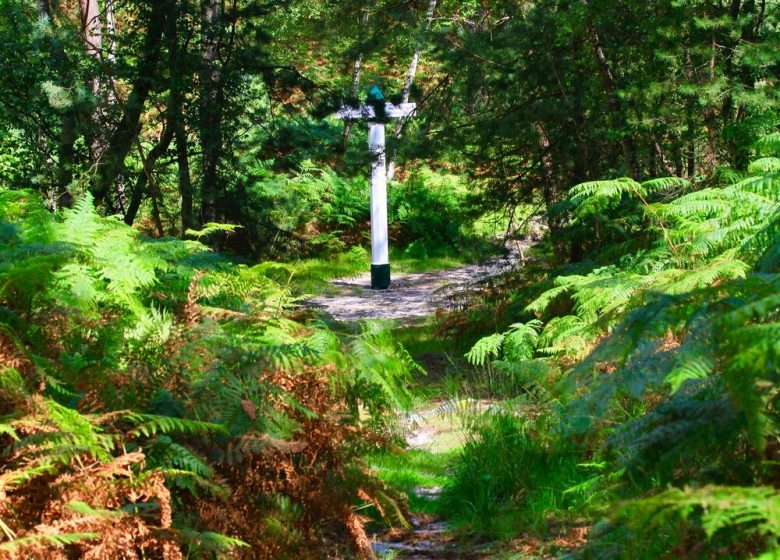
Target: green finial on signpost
point(376, 99)
point(375, 95)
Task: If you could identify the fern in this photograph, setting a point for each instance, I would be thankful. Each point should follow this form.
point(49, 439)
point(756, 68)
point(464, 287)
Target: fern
point(205, 541)
point(85, 509)
point(769, 144)
point(61, 540)
point(517, 344)
point(210, 229)
point(764, 165)
point(381, 363)
point(750, 509)
point(485, 348)
point(150, 424)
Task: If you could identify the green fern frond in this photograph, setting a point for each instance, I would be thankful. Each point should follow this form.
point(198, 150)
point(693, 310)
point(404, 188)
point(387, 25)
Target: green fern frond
point(764, 165)
point(665, 184)
point(693, 363)
point(150, 424)
point(206, 541)
point(211, 228)
point(721, 507)
point(521, 339)
point(85, 509)
point(544, 300)
point(769, 144)
point(485, 348)
point(62, 540)
point(76, 429)
point(8, 430)
point(609, 189)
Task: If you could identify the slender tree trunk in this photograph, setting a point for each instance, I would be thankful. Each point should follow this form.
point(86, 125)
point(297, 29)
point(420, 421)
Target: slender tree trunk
point(121, 140)
point(690, 122)
point(44, 9)
point(185, 182)
point(760, 17)
point(410, 75)
point(659, 153)
point(92, 35)
point(145, 183)
point(353, 90)
point(90, 26)
point(110, 94)
point(579, 171)
point(66, 151)
point(68, 130)
point(211, 106)
point(711, 113)
point(548, 191)
point(177, 124)
point(616, 108)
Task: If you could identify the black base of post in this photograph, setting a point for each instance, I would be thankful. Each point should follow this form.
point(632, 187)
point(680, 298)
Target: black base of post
point(380, 276)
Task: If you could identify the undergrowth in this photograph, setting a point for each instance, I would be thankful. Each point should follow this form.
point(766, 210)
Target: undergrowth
point(507, 477)
point(158, 400)
point(647, 374)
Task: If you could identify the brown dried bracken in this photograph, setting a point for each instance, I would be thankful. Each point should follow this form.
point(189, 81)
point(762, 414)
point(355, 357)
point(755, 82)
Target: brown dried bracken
point(47, 507)
point(317, 472)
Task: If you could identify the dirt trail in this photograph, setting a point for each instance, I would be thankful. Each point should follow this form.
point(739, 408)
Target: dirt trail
point(429, 540)
point(411, 295)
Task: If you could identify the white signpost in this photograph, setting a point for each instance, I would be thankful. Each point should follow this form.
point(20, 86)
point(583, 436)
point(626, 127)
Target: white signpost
point(380, 257)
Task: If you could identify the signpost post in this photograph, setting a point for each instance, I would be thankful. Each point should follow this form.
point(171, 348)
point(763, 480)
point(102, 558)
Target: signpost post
point(377, 113)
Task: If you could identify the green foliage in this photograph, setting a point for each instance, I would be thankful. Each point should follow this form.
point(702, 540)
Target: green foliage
point(669, 338)
point(60, 541)
point(208, 542)
point(507, 476)
point(161, 354)
point(381, 367)
point(733, 520)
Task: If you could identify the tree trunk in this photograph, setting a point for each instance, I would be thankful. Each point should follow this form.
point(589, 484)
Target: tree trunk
point(185, 182)
point(548, 182)
point(177, 124)
point(111, 99)
point(92, 35)
point(44, 9)
point(353, 90)
point(399, 125)
point(90, 27)
point(616, 108)
point(711, 113)
point(68, 131)
point(211, 106)
point(121, 140)
point(145, 182)
point(690, 123)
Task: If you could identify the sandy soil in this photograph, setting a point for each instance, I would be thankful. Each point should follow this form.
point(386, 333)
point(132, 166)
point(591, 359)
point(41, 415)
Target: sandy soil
point(411, 295)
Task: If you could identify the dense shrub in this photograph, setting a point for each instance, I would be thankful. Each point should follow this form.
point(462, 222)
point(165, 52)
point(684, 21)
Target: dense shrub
point(156, 400)
point(317, 212)
point(668, 336)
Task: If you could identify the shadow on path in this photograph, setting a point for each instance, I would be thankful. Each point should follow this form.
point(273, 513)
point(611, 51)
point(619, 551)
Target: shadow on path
point(411, 295)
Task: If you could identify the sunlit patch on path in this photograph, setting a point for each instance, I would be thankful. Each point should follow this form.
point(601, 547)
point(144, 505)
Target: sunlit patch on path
point(411, 295)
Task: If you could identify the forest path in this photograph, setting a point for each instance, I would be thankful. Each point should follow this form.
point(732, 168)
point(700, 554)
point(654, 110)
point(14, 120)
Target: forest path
point(412, 295)
point(434, 428)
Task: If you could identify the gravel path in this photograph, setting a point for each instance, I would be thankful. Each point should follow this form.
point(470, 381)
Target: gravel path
point(411, 295)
